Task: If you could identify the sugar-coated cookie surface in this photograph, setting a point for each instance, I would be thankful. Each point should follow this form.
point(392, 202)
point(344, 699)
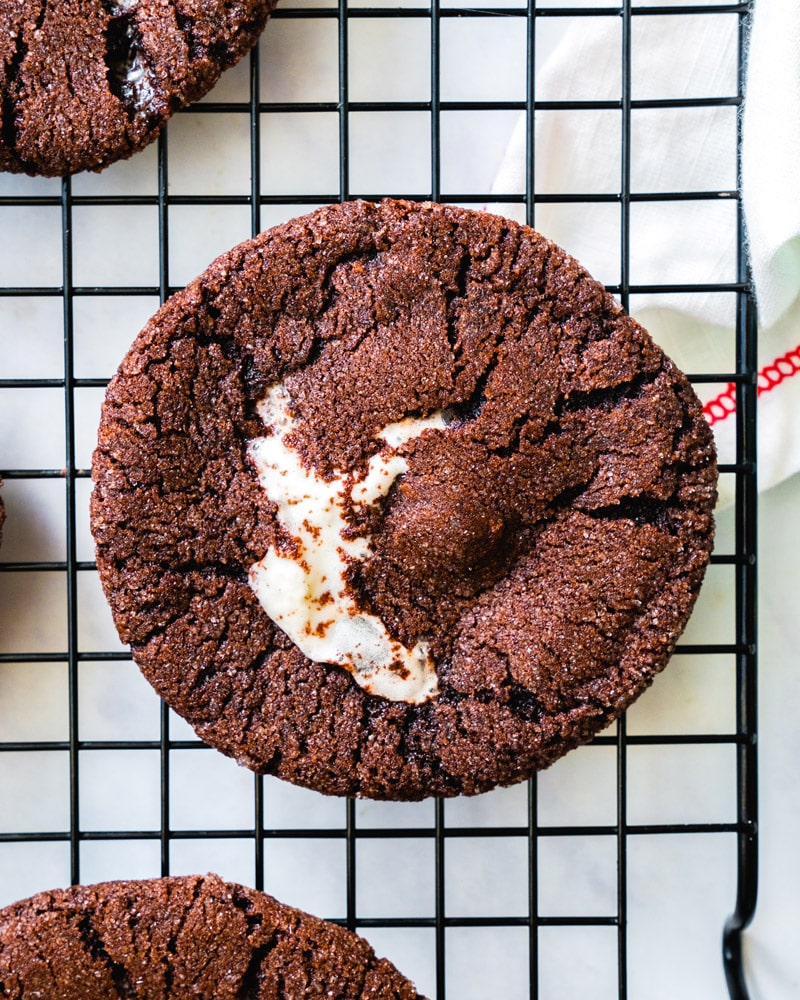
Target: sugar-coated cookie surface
point(183, 936)
point(88, 82)
point(514, 502)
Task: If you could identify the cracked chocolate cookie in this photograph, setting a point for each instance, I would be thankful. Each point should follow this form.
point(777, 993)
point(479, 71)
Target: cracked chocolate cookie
point(394, 501)
point(175, 937)
point(86, 82)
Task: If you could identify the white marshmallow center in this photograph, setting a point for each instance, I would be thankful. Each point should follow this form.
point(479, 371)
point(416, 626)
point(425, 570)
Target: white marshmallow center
point(304, 589)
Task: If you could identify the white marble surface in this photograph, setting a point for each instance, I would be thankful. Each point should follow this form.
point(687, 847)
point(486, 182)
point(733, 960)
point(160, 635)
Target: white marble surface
point(680, 888)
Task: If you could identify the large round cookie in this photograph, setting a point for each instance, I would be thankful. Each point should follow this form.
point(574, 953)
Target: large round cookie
point(88, 82)
point(178, 937)
point(532, 544)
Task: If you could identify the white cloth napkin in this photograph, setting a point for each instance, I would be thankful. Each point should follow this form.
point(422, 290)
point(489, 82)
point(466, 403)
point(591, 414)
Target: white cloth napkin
point(685, 149)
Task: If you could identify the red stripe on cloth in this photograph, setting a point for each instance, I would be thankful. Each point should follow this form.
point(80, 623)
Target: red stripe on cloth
point(769, 377)
point(721, 406)
point(780, 369)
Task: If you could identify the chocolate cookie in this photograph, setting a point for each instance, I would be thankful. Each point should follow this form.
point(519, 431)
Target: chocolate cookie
point(396, 501)
point(88, 82)
point(178, 937)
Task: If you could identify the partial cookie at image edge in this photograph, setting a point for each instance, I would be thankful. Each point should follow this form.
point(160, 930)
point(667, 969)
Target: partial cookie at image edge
point(89, 82)
point(158, 938)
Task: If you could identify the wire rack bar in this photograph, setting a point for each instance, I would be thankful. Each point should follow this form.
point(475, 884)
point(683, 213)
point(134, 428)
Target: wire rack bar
point(356, 13)
point(746, 603)
point(351, 834)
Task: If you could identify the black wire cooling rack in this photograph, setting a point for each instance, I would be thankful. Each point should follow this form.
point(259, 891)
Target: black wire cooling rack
point(263, 834)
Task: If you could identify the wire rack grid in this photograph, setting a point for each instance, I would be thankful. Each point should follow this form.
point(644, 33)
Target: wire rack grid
point(610, 875)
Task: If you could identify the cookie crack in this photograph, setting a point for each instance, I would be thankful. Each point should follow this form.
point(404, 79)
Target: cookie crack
point(93, 941)
point(186, 25)
point(158, 630)
point(523, 702)
point(454, 296)
point(607, 397)
point(172, 944)
point(363, 726)
point(248, 711)
point(564, 500)
point(330, 294)
point(411, 742)
point(128, 69)
point(219, 51)
point(514, 431)
point(641, 509)
point(213, 570)
point(40, 18)
point(249, 987)
point(9, 129)
point(470, 408)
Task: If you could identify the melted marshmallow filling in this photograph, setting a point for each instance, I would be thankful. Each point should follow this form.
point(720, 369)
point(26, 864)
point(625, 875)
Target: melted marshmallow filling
point(129, 72)
point(303, 588)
